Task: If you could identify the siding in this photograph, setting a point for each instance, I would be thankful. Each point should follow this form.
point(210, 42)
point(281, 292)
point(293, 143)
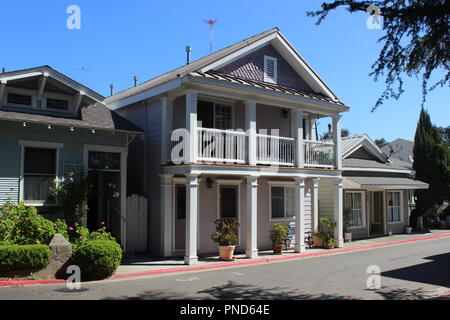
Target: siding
point(326, 198)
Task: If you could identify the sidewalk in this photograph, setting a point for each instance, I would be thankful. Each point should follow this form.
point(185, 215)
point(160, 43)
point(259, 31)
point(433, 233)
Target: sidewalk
point(146, 266)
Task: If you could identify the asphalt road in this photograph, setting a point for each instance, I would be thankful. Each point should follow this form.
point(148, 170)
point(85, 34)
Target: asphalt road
point(418, 270)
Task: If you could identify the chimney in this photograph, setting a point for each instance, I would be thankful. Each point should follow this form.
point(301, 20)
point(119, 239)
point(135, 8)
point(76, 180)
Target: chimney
point(188, 54)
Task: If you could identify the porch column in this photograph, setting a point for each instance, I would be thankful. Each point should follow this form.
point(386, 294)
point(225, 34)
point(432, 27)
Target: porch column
point(166, 127)
point(307, 128)
point(191, 126)
point(299, 245)
point(2, 89)
point(252, 218)
point(337, 141)
point(338, 214)
point(315, 204)
point(250, 126)
point(191, 219)
point(166, 214)
point(297, 118)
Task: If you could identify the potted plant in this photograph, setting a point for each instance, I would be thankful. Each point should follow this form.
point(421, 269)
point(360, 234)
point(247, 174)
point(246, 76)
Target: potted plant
point(330, 243)
point(326, 231)
point(227, 237)
point(318, 239)
point(347, 233)
point(278, 236)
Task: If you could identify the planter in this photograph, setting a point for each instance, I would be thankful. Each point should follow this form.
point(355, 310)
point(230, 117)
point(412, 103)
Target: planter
point(226, 253)
point(329, 245)
point(318, 242)
point(408, 230)
point(277, 249)
point(348, 237)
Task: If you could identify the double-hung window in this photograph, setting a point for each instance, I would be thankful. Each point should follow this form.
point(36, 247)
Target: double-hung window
point(394, 206)
point(354, 203)
point(39, 172)
point(282, 202)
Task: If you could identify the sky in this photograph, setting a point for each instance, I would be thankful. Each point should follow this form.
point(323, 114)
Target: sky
point(120, 39)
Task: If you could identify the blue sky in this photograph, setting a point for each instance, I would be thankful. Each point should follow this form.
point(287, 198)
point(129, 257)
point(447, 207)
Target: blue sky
point(120, 39)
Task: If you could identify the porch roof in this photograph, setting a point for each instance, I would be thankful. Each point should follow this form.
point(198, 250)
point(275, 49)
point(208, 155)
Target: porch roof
point(383, 183)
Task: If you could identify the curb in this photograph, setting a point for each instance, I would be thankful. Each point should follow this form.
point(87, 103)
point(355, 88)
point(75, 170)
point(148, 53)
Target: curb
point(222, 265)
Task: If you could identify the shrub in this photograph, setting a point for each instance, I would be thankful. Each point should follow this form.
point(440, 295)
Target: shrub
point(97, 259)
point(23, 257)
point(33, 229)
point(226, 233)
point(279, 233)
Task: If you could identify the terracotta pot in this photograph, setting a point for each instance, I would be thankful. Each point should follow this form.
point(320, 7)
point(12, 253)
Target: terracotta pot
point(277, 248)
point(318, 242)
point(226, 253)
point(329, 245)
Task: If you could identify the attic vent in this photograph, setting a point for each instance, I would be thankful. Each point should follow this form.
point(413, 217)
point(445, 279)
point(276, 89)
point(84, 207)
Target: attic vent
point(270, 69)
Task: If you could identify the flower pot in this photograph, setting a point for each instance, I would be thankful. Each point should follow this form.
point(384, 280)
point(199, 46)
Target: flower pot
point(277, 249)
point(318, 242)
point(329, 245)
point(226, 253)
point(408, 230)
point(348, 237)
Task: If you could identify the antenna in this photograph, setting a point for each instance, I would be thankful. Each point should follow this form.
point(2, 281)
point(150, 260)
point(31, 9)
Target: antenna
point(135, 78)
point(83, 71)
point(211, 23)
point(111, 86)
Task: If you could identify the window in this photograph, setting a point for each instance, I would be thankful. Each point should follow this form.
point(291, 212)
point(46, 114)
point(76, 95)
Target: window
point(57, 104)
point(20, 99)
point(215, 115)
point(104, 160)
point(39, 173)
point(354, 202)
point(282, 202)
point(394, 206)
point(223, 116)
point(270, 69)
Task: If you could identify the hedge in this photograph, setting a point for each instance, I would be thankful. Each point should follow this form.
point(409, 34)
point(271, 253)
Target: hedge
point(97, 259)
point(24, 257)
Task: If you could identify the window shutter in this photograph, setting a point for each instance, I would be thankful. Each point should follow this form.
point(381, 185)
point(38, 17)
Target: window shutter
point(270, 69)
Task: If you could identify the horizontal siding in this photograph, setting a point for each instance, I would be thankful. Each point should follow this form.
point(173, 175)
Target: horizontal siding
point(9, 190)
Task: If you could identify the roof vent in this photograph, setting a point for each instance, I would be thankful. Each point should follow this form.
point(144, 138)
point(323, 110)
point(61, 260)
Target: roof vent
point(270, 69)
point(188, 55)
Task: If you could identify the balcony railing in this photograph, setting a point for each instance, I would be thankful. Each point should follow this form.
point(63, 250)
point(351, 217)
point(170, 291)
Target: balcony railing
point(275, 150)
point(221, 145)
point(319, 154)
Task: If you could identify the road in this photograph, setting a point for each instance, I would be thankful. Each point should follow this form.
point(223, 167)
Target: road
point(417, 270)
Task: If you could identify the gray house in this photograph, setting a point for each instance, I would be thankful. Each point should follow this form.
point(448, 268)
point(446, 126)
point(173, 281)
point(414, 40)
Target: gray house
point(50, 126)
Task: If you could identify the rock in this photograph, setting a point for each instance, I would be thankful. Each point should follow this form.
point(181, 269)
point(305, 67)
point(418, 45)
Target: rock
point(61, 252)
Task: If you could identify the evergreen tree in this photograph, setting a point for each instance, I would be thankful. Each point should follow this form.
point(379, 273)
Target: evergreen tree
point(431, 163)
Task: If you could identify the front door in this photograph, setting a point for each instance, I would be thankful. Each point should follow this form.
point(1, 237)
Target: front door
point(180, 217)
point(229, 202)
point(377, 213)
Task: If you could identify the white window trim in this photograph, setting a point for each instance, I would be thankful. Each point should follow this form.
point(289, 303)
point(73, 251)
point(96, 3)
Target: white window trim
point(266, 77)
point(282, 184)
point(42, 145)
point(363, 205)
point(401, 207)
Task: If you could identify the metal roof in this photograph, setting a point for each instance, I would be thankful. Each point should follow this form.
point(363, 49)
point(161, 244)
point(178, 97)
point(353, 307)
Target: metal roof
point(383, 183)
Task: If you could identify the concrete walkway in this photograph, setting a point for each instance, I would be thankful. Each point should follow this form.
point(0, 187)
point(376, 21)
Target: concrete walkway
point(144, 265)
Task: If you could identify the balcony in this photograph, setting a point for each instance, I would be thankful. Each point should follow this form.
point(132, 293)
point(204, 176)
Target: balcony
point(232, 146)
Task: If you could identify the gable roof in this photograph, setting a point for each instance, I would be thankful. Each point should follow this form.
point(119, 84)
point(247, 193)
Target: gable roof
point(222, 57)
point(402, 150)
point(351, 144)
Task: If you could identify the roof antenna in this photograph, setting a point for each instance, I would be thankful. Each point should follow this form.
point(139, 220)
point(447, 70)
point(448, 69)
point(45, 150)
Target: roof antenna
point(3, 70)
point(135, 78)
point(211, 23)
point(111, 86)
point(188, 54)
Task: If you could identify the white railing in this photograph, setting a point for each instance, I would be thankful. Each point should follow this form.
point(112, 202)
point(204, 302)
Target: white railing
point(221, 145)
point(275, 150)
point(319, 154)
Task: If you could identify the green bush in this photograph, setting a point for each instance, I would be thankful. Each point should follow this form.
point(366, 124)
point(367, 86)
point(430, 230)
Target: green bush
point(279, 233)
point(97, 259)
point(24, 257)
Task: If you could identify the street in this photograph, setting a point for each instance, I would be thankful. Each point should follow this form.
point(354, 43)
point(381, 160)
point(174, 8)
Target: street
point(417, 270)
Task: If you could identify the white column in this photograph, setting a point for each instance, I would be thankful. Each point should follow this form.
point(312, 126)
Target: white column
point(123, 197)
point(297, 117)
point(166, 127)
point(315, 204)
point(191, 126)
point(252, 218)
point(2, 90)
point(191, 219)
point(337, 141)
point(338, 215)
point(250, 126)
point(166, 214)
point(299, 245)
point(307, 128)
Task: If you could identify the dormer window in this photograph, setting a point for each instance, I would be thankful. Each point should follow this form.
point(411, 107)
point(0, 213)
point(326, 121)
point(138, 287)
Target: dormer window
point(270, 69)
point(57, 104)
point(19, 99)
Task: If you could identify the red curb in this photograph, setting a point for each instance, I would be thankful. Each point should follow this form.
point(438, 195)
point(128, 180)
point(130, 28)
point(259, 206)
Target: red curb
point(279, 258)
point(4, 283)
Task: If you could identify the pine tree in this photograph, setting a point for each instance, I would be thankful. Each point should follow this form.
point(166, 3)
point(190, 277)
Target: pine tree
point(431, 163)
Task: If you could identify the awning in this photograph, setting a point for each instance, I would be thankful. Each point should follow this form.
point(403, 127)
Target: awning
point(383, 183)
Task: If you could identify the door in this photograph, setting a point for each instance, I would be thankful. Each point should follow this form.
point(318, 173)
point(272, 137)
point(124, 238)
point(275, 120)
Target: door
point(377, 213)
point(180, 217)
point(229, 203)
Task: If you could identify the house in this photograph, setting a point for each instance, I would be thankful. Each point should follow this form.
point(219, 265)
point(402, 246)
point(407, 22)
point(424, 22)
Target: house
point(399, 150)
point(232, 135)
point(377, 191)
point(50, 126)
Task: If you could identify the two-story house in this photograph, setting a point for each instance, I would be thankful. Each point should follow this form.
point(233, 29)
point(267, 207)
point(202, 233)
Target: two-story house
point(232, 135)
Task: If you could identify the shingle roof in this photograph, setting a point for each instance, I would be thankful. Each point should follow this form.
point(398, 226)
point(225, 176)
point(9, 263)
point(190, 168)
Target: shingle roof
point(388, 182)
point(365, 163)
point(263, 85)
point(402, 150)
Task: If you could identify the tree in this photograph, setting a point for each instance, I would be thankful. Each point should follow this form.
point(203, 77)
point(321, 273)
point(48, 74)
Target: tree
point(329, 135)
point(380, 142)
point(416, 41)
point(431, 164)
point(445, 132)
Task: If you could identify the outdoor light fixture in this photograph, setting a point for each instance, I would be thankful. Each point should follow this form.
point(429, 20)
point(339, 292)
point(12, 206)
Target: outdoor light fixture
point(49, 127)
point(284, 113)
point(24, 124)
point(209, 182)
point(93, 130)
point(71, 128)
